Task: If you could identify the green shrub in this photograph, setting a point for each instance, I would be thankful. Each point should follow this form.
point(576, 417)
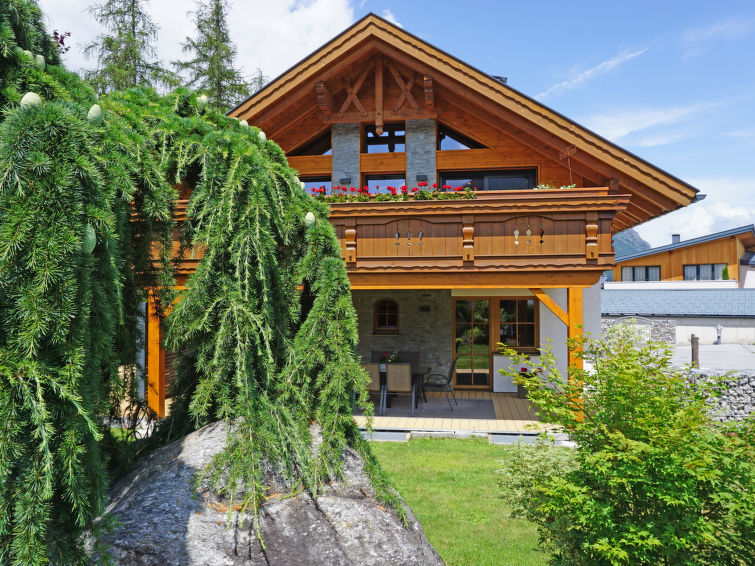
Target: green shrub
point(656, 480)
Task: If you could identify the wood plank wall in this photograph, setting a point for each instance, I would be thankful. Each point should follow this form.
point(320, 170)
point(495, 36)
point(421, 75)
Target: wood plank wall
point(726, 250)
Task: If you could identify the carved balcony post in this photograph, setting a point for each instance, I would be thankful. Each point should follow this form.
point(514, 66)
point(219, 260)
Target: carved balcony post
point(591, 235)
point(351, 241)
point(467, 242)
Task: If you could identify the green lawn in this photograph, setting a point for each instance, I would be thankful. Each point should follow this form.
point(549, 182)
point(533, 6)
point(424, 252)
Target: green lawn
point(452, 487)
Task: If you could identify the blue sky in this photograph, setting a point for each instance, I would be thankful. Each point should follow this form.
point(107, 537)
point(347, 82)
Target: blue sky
point(671, 81)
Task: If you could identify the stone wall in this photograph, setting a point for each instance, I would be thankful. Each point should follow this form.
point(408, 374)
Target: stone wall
point(425, 326)
point(346, 154)
point(420, 151)
point(738, 400)
point(660, 330)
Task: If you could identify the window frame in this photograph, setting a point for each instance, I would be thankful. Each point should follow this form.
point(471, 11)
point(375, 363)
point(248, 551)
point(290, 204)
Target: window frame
point(647, 269)
point(388, 137)
point(486, 173)
point(494, 332)
point(386, 330)
point(697, 267)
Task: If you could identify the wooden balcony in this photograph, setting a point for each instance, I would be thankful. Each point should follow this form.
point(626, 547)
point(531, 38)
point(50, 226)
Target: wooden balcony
point(509, 238)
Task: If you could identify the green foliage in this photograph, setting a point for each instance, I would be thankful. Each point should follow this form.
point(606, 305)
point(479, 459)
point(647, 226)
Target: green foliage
point(212, 53)
point(68, 289)
point(126, 55)
point(266, 328)
point(725, 273)
point(657, 481)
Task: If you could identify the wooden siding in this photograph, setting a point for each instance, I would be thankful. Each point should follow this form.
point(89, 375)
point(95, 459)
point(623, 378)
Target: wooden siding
point(463, 240)
point(727, 250)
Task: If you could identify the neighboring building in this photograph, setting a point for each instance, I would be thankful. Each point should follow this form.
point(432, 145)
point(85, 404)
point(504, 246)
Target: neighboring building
point(696, 263)
point(672, 315)
point(447, 279)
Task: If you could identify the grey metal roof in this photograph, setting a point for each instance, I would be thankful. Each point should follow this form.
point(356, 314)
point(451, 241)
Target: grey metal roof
point(692, 242)
point(678, 302)
point(748, 258)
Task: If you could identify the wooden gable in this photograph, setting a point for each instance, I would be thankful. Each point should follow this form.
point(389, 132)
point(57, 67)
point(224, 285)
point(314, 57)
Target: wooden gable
point(375, 73)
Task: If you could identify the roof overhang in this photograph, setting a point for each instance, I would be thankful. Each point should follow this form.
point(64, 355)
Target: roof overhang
point(654, 191)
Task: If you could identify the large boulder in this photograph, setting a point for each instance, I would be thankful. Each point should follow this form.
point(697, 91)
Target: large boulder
point(165, 520)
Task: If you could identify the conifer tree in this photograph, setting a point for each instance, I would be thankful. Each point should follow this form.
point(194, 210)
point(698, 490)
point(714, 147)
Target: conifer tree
point(125, 53)
point(211, 66)
point(69, 259)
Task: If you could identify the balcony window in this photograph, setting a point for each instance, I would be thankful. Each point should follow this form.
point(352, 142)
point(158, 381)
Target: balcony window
point(704, 272)
point(321, 145)
point(449, 139)
point(641, 273)
point(317, 183)
point(380, 183)
point(393, 139)
point(503, 180)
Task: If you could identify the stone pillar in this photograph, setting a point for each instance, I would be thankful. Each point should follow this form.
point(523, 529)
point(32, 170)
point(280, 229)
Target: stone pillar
point(346, 154)
point(420, 151)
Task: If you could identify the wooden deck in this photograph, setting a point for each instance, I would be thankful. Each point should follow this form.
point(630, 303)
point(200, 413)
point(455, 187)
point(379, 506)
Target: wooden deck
point(512, 415)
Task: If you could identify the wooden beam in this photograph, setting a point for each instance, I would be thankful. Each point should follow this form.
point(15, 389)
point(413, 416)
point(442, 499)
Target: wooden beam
point(324, 98)
point(406, 89)
point(353, 91)
point(551, 304)
point(575, 330)
point(429, 94)
point(379, 96)
point(155, 359)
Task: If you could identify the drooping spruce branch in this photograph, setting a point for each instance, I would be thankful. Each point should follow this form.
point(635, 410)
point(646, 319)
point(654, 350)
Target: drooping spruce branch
point(71, 177)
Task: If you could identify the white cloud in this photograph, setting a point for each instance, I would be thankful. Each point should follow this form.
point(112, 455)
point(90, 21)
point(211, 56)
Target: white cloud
point(699, 40)
point(713, 214)
point(590, 73)
point(388, 15)
point(620, 124)
point(270, 34)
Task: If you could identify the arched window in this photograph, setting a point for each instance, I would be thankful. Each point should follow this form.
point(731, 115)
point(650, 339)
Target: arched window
point(386, 317)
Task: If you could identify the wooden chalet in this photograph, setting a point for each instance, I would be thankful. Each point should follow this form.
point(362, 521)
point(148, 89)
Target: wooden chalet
point(697, 261)
point(436, 280)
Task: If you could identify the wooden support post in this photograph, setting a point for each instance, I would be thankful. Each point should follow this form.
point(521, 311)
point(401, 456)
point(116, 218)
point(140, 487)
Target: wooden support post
point(694, 342)
point(429, 94)
point(575, 310)
point(155, 359)
point(379, 96)
point(551, 304)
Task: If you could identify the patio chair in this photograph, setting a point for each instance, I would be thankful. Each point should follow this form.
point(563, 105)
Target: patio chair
point(375, 386)
point(440, 382)
point(398, 379)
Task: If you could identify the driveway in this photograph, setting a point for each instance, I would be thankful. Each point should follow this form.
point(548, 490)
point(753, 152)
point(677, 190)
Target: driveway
point(727, 357)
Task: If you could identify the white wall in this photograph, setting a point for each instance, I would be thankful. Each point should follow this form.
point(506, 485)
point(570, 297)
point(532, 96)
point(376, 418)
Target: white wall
point(747, 276)
point(735, 330)
point(728, 284)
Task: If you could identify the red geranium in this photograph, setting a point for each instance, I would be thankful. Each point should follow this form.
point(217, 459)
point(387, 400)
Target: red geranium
point(422, 184)
point(415, 189)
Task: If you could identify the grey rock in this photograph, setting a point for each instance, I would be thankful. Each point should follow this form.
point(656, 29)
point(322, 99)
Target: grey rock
point(165, 519)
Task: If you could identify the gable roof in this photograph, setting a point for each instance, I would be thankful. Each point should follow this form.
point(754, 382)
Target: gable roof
point(654, 192)
point(738, 303)
point(750, 228)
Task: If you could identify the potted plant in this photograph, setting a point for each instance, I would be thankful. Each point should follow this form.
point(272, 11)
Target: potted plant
point(388, 358)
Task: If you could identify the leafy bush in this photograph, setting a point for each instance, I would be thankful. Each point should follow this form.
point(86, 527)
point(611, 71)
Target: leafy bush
point(656, 480)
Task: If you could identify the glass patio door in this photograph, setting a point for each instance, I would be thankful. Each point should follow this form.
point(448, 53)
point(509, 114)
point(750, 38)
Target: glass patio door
point(472, 343)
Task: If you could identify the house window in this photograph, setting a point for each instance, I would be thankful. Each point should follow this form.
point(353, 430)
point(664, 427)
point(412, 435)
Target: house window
point(449, 139)
point(321, 145)
point(392, 139)
point(317, 183)
point(503, 180)
point(641, 273)
point(479, 324)
point(704, 272)
point(386, 317)
point(380, 183)
point(517, 323)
